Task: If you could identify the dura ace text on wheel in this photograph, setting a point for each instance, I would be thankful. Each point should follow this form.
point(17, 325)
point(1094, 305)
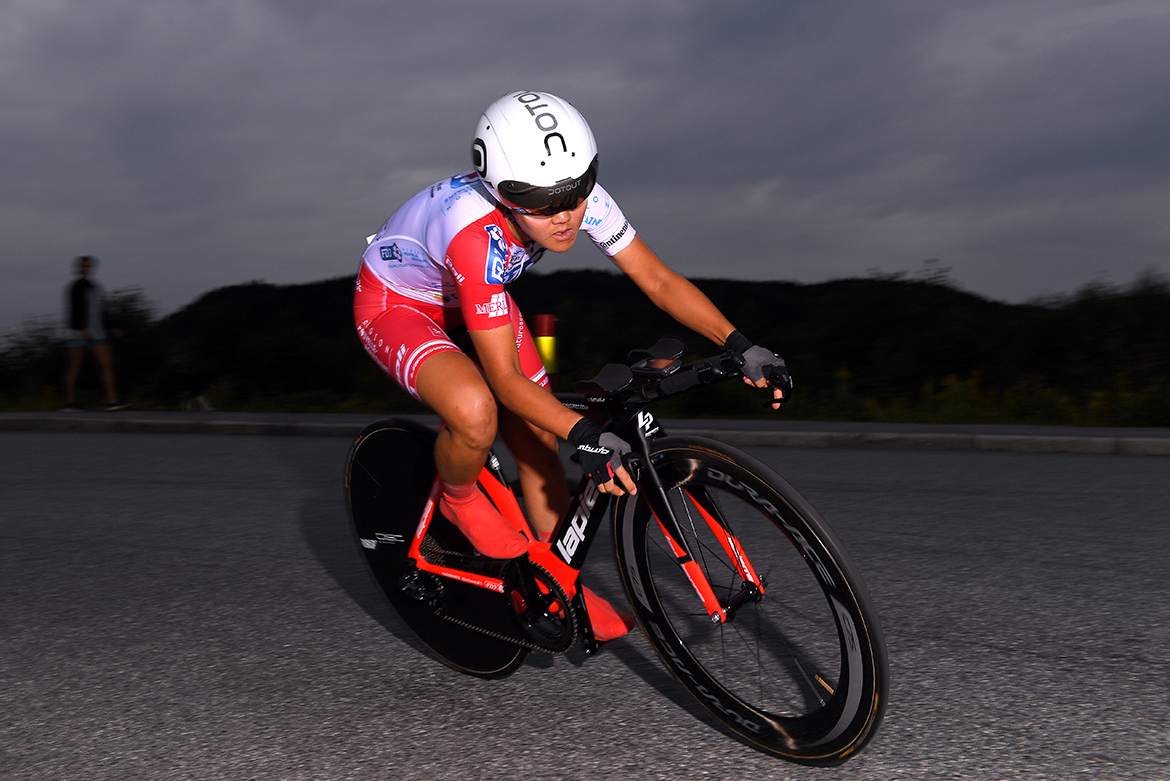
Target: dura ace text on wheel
point(797, 667)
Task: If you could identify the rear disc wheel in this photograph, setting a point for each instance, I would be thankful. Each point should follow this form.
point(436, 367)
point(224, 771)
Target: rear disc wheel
point(388, 478)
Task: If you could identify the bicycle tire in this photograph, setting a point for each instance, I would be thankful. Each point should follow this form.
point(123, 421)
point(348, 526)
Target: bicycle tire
point(802, 673)
point(388, 477)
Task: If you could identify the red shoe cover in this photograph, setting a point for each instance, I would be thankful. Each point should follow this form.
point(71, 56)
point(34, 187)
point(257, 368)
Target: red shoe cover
point(607, 622)
point(482, 524)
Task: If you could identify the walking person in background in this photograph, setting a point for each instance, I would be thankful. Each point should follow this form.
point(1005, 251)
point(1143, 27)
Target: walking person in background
point(83, 303)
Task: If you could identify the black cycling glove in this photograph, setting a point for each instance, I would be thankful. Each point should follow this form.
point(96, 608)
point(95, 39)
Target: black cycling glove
point(599, 452)
point(759, 362)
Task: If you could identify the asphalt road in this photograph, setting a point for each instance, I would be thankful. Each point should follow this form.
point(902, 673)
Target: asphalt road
point(193, 606)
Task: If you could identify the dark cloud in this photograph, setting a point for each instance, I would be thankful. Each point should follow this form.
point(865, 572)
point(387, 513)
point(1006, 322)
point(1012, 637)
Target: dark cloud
point(198, 144)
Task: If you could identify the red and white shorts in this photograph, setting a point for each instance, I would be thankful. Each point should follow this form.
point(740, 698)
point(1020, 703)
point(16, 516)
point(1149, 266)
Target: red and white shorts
point(400, 333)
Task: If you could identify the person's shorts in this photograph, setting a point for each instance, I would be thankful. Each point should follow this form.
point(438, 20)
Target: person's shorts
point(82, 342)
point(400, 334)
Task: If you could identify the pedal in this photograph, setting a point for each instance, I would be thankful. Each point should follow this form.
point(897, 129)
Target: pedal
point(589, 643)
point(421, 587)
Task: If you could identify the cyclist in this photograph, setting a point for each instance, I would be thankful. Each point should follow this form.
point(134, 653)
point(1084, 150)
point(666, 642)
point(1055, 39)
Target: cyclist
point(436, 273)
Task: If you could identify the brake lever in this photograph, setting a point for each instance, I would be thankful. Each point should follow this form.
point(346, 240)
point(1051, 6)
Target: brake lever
point(633, 464)
point(778, 376)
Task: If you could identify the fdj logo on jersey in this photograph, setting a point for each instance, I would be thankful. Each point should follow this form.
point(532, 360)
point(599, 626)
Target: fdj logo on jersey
point(391, 253)
point(496, 270)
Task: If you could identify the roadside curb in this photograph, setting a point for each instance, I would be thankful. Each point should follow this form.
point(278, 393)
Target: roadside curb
point(244, 424)
point(1131, 446)
point(120, 423)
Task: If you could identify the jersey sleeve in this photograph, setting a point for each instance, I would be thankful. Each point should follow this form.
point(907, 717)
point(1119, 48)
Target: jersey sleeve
point(474, 259)
point(606, 225)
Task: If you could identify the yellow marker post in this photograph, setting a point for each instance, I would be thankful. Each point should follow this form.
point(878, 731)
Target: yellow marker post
point(546, 344)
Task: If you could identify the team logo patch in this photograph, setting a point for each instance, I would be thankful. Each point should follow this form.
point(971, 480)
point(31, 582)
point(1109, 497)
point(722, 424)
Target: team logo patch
point(496, 270)
point(391, 253)
point(496, 307)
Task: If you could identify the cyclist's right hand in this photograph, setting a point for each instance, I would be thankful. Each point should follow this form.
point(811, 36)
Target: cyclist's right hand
point(600, 455)
point(761, 367)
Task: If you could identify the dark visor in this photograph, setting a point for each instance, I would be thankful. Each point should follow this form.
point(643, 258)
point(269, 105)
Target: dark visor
point(562, 196)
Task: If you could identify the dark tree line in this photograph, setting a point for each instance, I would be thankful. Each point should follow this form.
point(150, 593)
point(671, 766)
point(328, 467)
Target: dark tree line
point(860, 349)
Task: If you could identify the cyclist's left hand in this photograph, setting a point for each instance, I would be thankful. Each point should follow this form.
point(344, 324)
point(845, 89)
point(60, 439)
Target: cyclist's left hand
point(622, 483)
point(600, 454)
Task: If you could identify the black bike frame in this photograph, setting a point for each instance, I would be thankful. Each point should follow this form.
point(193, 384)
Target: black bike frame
point(565, 553)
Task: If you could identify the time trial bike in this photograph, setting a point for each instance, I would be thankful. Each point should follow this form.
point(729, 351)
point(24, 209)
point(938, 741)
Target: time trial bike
point(738, 584)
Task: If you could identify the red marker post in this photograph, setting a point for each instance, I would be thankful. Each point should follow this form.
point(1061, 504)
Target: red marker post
point(546, 345)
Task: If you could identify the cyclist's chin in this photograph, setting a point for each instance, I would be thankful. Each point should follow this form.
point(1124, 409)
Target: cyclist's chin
point(555, 244)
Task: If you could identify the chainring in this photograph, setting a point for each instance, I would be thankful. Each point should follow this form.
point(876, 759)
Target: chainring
point(539, 605)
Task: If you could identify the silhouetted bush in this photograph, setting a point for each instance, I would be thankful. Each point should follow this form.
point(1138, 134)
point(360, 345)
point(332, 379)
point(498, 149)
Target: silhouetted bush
point(881, 349)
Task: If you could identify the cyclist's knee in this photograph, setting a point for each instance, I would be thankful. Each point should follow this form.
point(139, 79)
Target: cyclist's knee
point(451, 385)
point(472, 419)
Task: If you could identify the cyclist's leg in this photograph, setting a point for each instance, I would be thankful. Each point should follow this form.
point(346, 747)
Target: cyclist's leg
point(451, 384)
point(542, 479)
point(546, 500)
point(407, 340)
point(542, 476)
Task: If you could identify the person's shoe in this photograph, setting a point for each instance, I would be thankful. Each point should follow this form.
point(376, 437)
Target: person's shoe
point(482, 524)
point(73, 406)
point(607, 622)
point(116, 404)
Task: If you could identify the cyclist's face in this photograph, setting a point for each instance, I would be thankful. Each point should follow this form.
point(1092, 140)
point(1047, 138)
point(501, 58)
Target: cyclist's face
point(556, 232)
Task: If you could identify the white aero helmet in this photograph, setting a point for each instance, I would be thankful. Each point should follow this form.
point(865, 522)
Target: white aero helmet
point(535, 153)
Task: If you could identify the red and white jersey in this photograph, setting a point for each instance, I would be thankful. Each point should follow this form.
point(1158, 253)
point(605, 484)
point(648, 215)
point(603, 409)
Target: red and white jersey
point(450, 245)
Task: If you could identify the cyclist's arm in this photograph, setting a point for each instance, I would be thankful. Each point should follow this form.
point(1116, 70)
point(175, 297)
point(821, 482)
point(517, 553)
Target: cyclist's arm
point(672, 292)
point(678, 297)
point(496, 350)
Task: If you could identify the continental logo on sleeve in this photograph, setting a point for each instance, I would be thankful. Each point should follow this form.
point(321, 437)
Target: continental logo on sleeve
point(497, 306)
point(614, 239)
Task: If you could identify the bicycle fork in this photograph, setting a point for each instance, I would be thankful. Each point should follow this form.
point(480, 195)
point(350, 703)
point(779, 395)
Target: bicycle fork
point(659, 504)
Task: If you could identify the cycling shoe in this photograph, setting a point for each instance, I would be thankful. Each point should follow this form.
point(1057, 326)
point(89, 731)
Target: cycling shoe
point(608, 623)
point(483, 526)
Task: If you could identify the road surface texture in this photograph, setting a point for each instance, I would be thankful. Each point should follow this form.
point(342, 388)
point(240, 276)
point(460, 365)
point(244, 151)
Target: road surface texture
point(187, 605)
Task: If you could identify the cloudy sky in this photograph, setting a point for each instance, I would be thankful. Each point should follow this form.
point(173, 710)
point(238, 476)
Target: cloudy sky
point(193, 144)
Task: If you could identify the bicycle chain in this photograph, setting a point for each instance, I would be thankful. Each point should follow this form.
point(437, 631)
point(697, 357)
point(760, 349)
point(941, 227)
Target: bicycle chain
point(430, 547)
